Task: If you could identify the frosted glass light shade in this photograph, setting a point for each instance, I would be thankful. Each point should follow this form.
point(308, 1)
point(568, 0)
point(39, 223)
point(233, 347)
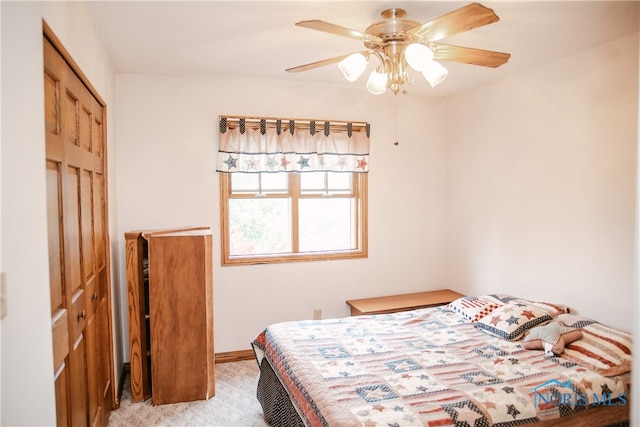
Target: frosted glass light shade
point(353, 66)
point(418, 56)
point(435, 73)
point(377, 82)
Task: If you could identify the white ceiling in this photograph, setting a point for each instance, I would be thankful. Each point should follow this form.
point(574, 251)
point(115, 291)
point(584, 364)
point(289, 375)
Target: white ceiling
point(258, 39)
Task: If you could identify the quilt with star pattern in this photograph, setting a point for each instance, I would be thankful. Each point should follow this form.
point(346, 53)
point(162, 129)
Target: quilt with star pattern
point(425, 367)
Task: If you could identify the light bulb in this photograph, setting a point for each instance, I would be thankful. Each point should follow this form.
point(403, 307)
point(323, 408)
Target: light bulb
point(418, 56)
point(377, 82)
point(353, 66)
point(435, 73)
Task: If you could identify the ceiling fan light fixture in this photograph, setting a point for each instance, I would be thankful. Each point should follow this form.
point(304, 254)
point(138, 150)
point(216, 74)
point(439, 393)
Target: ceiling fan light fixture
point(418, 56)
point(353, 66)
point(403, 45)
point(435, 73)
point(377, 83)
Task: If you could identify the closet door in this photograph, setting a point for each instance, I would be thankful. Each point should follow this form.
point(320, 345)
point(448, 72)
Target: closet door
point(78, 256)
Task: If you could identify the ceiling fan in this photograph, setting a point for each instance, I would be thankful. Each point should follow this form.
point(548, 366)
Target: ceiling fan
point(400, 43)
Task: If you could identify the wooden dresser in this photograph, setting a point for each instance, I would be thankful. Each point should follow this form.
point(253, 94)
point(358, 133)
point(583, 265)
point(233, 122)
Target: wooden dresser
point(170, 292)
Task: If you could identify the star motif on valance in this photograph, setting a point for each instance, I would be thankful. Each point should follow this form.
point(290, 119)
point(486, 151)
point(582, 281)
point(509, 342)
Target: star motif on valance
point(231, 162)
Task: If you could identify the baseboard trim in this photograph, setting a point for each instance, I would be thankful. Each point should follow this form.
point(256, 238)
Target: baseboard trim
point(234, 356)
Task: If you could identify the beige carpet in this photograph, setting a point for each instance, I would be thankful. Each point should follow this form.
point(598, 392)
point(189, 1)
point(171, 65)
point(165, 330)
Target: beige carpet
point(234, 405)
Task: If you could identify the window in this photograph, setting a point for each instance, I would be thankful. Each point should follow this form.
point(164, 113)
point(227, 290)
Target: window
point(292, 189)
point(300, 216)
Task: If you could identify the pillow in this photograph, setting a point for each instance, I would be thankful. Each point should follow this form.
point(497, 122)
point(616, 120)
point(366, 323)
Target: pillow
point(474, 308)
point(602, 349)
point(511, 320)
point(552, 338)
point(502, 297)
point(574, 321)
point(551, 308)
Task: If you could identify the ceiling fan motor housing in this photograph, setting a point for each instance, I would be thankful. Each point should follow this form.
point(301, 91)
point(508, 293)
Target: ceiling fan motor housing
point(392, 28)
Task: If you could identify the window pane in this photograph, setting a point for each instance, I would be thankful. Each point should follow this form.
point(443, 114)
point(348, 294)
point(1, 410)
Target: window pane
point(274, 182)
point(259, 226)
point(340, 182)
point(326, 224)
point(244, 182)
point(312, 181)
point(269, 228)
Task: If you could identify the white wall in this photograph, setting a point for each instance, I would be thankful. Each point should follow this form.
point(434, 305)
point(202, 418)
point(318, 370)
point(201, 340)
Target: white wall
point(167, 140)
point(541, 184)
point(539, 190)
point(27, 355)
point(526, 196)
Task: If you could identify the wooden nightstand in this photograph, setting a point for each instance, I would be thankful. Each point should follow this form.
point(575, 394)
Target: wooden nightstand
point(395, 303)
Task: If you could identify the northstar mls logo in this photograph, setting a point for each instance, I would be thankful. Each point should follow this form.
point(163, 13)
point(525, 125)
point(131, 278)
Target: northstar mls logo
point(550, 396)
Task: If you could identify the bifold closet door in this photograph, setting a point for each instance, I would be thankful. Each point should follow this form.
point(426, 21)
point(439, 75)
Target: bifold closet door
point(79, 278)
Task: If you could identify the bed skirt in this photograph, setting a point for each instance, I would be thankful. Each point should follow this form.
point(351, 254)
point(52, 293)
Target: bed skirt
point(276, 405)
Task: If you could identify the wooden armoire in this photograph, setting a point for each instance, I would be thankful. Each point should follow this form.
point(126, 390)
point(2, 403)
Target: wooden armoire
point(170, 294)
point(76, 174)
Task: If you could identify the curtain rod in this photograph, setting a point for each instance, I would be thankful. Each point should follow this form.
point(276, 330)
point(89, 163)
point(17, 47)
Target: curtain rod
point(252, 119)
point(284, 125)
point(254, 123)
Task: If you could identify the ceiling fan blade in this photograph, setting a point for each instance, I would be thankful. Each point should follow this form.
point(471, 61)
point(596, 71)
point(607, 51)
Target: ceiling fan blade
point(467, 55)
point(322, 63)
point(460, 20)
point(338, 30)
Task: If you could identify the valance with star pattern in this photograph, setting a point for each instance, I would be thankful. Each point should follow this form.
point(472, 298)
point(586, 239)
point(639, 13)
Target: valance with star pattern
point(253, 145)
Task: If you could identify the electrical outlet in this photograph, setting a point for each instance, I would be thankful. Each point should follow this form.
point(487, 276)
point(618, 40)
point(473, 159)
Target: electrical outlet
point(317, 313)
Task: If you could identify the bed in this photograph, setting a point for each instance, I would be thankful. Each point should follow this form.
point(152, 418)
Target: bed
point(489, 360)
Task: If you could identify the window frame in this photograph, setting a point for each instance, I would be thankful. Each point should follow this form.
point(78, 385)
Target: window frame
point(359, 192)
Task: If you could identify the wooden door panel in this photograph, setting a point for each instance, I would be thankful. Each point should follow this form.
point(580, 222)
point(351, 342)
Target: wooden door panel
point(99, 220)
point(78, 385)
point(104, 358)
point(60, 327)
point(75, 292)
point(86, 125)
point(98, 143)
point(71, 189)
point(62, 404)
point(105, 384)
point(54, 220)
point(92, 323)
point(93, 386)
point(87, 224)
point(55, 200)
point(70, 108)
point(51, 91)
